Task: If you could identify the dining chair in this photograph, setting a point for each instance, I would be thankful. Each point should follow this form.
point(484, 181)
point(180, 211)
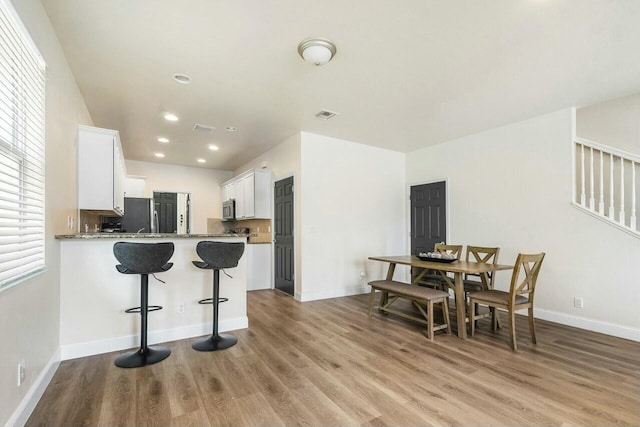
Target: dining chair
point(434, 279)
point(474, 282)
point(520, 295)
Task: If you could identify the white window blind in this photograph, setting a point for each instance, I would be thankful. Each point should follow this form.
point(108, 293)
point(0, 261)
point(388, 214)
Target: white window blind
point(22, 103)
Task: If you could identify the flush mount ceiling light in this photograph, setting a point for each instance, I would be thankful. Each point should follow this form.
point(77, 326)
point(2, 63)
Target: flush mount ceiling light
point(163, 139)
point(317, 50)
point(182, 78)
point(170, 117)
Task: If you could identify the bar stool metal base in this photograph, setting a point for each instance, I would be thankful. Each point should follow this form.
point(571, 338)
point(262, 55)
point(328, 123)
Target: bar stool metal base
point(215, 343)
point(142, 357)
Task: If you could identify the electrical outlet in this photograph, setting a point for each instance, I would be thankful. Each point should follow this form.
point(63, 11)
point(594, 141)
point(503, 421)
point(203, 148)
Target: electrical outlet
point(578, 302)
point(21, 372)
point(180, 308)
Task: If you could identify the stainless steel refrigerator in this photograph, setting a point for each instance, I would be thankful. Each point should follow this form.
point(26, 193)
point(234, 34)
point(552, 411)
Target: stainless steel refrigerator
point(138, 215)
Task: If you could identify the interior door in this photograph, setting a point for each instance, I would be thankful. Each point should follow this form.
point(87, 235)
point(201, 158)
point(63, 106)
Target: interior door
point(283, 236)
point(428, 216)
point(166, 208)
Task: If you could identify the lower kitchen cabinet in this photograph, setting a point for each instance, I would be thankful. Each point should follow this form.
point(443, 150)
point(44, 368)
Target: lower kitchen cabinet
point(259, 264)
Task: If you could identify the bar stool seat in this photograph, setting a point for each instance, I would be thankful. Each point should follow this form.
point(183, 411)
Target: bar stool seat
point(143, 259)
point(217, 256)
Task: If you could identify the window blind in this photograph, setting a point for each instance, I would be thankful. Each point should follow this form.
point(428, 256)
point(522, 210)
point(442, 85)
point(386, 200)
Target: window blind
point(22, 138)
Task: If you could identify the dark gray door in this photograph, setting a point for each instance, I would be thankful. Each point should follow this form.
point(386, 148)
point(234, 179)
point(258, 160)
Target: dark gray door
point(428, 216)
point(166, 207)
point(283, 235)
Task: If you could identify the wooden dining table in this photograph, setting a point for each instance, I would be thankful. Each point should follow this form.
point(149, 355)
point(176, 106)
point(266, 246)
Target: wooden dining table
point(458, 268)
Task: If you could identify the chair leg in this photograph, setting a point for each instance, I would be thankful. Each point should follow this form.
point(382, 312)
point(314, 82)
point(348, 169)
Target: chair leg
point(445, 314)
point(216, 341)
point(495, 320)
point(371, 298)
point(532, 326)
point(512, 330)
point(430, 320)
point(472, 317)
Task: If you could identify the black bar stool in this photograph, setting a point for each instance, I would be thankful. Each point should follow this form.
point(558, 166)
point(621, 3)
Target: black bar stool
point(217, 256)
point(143, 259)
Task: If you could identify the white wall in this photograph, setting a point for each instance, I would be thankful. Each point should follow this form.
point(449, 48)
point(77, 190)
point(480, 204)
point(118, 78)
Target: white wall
point(203, 184)
point(30, 311)
point(615, 123)
point(353, 206)
point(511, 187)
point(284, 161)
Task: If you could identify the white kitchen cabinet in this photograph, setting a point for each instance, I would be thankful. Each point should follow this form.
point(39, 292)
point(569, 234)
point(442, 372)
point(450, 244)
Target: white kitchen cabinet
point(101, 171)
point(135, 186)
point(227, 192)
point(258, 266)
point(252, 193)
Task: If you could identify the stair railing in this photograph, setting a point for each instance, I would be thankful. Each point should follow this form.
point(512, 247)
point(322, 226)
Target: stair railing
point(606, 184)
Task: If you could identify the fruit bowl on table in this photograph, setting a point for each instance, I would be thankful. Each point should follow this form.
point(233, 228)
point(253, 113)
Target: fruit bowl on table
point(426, 257)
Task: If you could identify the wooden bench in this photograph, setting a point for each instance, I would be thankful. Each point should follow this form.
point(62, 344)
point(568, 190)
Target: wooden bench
point(392, 290)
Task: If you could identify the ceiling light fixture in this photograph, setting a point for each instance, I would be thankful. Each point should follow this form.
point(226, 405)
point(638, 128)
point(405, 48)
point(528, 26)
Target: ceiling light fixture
point(213, 147)
point(317, 50)
point(171, 117)
point(202, 161)
point(163, 139)
point(160, 155)
point(231, 128)
point(182, 78)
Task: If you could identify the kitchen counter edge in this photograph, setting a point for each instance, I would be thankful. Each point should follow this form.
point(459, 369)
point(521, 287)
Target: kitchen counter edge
point(90, 236)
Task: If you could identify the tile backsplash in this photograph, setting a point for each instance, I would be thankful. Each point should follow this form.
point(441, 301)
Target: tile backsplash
point(259, 229)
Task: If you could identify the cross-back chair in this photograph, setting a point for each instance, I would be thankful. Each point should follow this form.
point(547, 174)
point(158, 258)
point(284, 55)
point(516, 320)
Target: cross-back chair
point(477, 282)
point(434, 279)
point(520, 295)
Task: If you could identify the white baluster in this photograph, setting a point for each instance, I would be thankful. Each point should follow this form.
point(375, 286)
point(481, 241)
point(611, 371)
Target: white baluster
point(591, 197)
point(621, 218)
point(634, 224)
point(582, 192)
point(611, 209)
point(601, 204)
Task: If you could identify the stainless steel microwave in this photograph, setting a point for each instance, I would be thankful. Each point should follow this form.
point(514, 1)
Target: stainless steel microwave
point(229, 210)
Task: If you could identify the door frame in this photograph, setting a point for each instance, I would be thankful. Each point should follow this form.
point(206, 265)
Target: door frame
point(296, 294)
point(447, 182)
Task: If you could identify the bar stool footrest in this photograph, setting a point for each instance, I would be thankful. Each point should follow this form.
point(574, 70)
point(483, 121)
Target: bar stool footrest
point(139, 309)
point(210, 300)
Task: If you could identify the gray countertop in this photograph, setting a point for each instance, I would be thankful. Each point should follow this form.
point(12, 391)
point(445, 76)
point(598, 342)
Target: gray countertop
point(89, 236)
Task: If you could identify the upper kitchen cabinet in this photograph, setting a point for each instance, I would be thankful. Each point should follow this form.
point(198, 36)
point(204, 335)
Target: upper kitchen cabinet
point(101, 171)
point(252, 193)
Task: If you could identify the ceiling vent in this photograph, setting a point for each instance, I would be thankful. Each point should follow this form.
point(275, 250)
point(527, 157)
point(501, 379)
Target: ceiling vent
point(203, 128)
point(325, 114)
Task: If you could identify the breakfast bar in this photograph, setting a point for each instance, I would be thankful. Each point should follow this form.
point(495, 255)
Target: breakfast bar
point(94, 295)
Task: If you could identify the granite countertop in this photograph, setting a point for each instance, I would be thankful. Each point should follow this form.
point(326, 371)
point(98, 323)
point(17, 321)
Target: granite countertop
point(89, 236)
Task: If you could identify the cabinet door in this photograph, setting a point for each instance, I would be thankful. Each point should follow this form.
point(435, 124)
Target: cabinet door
point(238, 190)
point(118, 178)
point(249, 196)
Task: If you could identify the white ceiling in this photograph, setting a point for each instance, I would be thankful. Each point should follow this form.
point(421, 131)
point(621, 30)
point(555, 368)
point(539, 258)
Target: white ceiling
point(407, 73)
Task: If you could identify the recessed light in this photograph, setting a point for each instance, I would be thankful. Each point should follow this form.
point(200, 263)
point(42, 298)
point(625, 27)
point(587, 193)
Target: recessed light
point(171, 117)
point(163, 139)
point(202, 161)
point(182, 78)
point(231, 128)
point(158, 155)
point(213, 147)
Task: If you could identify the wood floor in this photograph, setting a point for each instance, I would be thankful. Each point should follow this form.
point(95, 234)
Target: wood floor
point(327, 363)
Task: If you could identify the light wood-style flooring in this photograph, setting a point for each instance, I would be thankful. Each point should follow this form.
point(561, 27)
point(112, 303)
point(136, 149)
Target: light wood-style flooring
point(327, 363)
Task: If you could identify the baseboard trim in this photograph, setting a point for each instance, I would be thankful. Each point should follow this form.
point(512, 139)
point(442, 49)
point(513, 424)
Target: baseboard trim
point(37, 389)
point(607, 328)
point(333, 293)
point(90, 348)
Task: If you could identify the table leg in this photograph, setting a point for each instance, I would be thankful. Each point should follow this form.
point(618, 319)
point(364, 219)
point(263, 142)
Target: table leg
point(461, 312)
point(385, 296)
